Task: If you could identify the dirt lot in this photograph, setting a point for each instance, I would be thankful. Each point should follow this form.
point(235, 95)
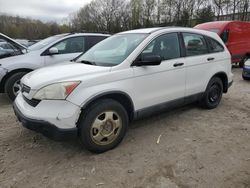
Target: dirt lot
point(198, 148)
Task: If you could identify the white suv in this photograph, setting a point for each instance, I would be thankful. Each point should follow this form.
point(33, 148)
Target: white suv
point(50, 51)
point(124, 77)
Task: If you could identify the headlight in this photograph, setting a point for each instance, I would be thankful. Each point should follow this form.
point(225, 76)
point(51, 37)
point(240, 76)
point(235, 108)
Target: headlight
point(58, 91)
point(247, 63)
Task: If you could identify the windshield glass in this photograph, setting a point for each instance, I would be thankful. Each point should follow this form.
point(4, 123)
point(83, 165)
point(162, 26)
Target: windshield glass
point(45, 42)
point(112, 51)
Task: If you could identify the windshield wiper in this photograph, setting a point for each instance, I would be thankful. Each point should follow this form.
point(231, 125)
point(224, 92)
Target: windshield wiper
point(88, 62)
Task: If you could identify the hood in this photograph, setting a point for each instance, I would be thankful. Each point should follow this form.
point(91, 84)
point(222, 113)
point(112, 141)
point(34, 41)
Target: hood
point(6, 53)
point(61, 73)
point(13, 41)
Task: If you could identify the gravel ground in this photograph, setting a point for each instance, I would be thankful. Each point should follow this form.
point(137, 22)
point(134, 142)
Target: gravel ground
point(197, 148)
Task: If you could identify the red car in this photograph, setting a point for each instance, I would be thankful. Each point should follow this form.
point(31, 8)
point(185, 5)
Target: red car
point(236, 36)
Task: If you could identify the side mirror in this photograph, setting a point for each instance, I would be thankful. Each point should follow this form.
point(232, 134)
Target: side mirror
point(148, 60)
point(24, 51)
point(53, 51)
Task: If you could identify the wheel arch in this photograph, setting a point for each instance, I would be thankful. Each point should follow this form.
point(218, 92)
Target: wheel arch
point(9, 74)
point(224, 79)
point(123, 98)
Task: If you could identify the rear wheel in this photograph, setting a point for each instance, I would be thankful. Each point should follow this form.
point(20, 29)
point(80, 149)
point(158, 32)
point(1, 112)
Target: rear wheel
point(213, 94)
point(13, 86)
point(103, 126)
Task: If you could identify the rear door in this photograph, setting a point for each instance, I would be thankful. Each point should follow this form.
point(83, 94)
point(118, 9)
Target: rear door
point(68, 49)
point(202, 53)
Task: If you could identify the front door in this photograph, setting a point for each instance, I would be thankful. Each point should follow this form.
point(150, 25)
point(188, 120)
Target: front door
point(68, 49)
point(155, 85)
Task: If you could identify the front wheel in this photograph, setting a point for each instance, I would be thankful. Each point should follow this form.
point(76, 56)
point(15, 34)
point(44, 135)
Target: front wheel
point(13, 86)
point(213, 94)
point(103, 126)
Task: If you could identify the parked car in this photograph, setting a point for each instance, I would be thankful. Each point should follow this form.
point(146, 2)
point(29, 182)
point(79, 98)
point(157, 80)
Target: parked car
point(32, 42)
point(246, 71)
point(125, 77)
point(26, 42)
point(236, 36)
point(5, 48)
point(50, 51)
point(9, 47)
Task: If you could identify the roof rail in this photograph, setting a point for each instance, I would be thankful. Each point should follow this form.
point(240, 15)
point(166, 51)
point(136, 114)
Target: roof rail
point(85, 31)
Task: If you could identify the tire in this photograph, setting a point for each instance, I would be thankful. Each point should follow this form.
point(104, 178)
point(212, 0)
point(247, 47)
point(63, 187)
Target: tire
point(101, 119)
point(213, 94)
point(10, 88)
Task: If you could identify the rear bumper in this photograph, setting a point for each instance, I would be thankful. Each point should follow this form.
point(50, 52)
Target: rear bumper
point(46, 128)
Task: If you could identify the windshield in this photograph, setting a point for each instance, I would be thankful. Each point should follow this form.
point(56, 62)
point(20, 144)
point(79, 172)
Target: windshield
point(113, 50)
point(45, 42)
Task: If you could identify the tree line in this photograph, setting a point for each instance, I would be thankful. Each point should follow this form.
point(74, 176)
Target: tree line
point(118, 15)
point(25, 28)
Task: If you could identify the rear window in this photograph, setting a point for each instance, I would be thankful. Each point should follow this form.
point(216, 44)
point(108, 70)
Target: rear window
point(214, 46)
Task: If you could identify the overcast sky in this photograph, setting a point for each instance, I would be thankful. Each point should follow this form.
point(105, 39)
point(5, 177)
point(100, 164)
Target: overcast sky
point(45, 10)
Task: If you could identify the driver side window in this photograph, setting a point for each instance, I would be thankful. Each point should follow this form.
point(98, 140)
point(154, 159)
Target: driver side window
point(166, 46)
point(71, 45)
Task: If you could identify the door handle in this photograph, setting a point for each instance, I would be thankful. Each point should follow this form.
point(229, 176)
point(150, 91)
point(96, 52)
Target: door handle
point(178, 64)
point(210, 58)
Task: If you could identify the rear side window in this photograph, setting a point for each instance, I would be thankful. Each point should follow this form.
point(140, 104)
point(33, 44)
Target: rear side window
point(195, 44)
point(93, 40)
point(214, 46)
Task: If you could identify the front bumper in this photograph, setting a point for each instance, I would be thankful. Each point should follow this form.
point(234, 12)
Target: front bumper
point(3, 72)
point(50, 118)
point(46, 128)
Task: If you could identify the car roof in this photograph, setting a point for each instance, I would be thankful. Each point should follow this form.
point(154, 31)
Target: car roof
point(174, 28)
point(144, 30)
point(215, 24)
point(218, 24)
point(86, 34)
